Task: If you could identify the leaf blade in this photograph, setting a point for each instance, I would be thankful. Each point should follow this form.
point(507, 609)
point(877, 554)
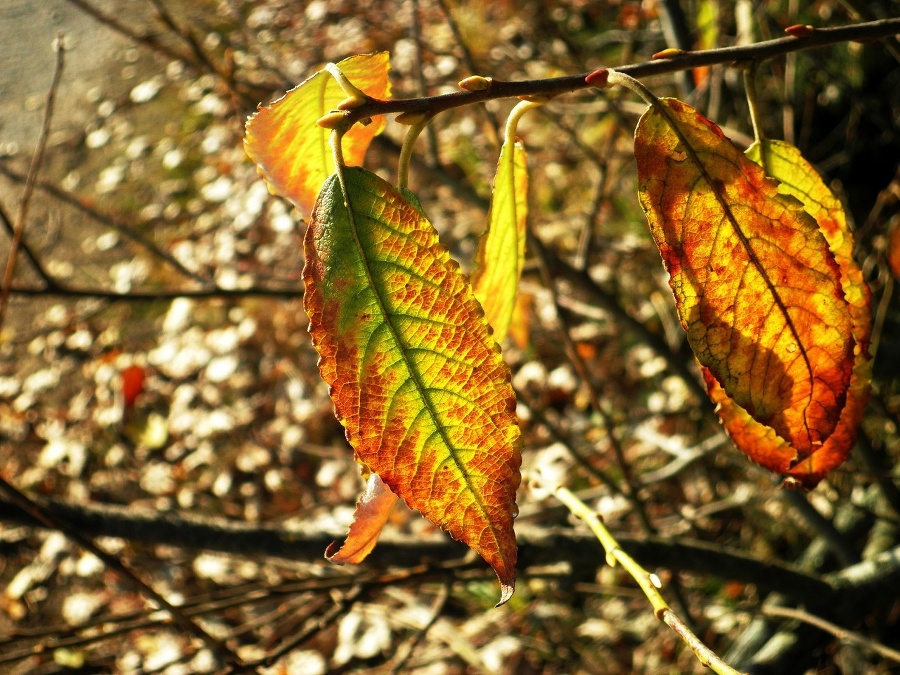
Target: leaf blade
point(758, 292)
point(373, 510)
point(415, 378)
point(501, 249)
point(799, 179)
point(291, 151)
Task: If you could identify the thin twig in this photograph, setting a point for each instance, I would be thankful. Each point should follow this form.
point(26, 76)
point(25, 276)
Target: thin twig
point(649, 583)
point(36, 161)
point(581, 368)
point(437, 607)
point(147, 40)
point(26, 249)
point(158, 295)
point(415, 31)
point(112, 562)
point(108, 219)
point(554, 86)
point(838, 632)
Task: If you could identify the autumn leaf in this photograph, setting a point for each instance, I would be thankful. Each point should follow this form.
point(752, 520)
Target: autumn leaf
point(372, 512)
point(757, 288)
point(415, 377)
point(799, 179)
point(291, 151)
point(133, 377)
point(501, 250)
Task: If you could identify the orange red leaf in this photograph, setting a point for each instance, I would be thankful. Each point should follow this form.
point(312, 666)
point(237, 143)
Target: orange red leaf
point(372, 512)
point(799, 179)
point(769, 313)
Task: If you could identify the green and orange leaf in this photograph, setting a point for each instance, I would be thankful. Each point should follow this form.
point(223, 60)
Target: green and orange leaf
point(291, 151)
point(758, 289)
point(415, 377)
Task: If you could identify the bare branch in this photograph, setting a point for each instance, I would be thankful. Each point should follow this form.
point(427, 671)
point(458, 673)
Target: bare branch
point(36, 162)
point(819, 37)
point(537, 545)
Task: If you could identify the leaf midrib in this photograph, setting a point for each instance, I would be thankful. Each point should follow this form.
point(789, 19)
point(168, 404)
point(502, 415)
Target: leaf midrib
point(751, 254)
point(421, 389)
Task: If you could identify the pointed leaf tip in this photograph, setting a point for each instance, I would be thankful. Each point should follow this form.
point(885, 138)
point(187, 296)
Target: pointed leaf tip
point(506, 592)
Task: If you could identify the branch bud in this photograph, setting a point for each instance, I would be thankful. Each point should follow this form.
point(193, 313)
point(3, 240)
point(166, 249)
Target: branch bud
point(598, 78)
point(352, 102)
point(410, 118)
point(475, 83)
point(799, 30)
point(669, 53)
point(331, 120)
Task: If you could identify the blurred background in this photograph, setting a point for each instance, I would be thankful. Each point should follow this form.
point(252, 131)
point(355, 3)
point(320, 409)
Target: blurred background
point(158, 389)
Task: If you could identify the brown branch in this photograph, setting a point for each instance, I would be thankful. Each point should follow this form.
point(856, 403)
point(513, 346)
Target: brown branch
point(36, 162)
point(74, 532)
point(538, 546)
point(760, 51)
point(157, 295)
point(26, 249)
point(107, 219)
point(145, 39)
point(840, 633)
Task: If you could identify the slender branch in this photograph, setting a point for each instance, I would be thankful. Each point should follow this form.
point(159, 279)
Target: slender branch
point(110, 220)
point(554, 86)
point(26, 249)
point(74, 533)
point(578, 363)
point(157, 295)
point(649, 583)
point(538, 546)
point(36, 161)
point(148, 40)
point(838, 632)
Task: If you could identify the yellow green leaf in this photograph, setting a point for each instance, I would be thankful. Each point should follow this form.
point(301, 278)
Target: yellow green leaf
point(415, 377)
point(756, 286)
point(501, 250)
point(291, 151)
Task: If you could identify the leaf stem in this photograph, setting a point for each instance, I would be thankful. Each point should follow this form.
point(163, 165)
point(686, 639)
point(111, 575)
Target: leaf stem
point(755, 113)
point(624, 80)
point(406, 150)
point(337, 151)
point(512, 122)
point(350, 89)
point(649, 583)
